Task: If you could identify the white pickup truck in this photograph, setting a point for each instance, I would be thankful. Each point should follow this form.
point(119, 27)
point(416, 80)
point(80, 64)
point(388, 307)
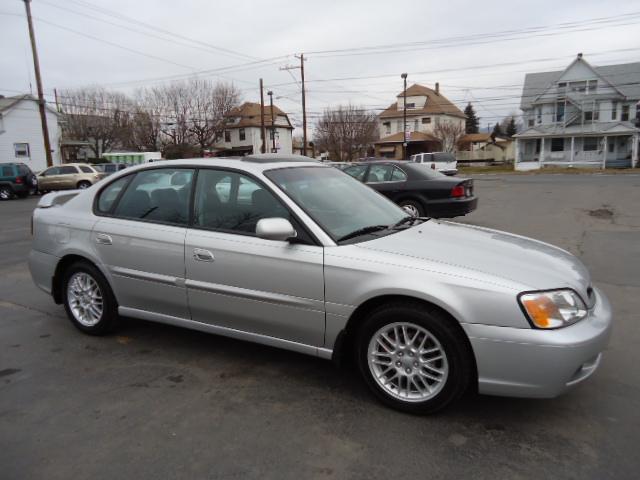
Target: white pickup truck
point(441, 161)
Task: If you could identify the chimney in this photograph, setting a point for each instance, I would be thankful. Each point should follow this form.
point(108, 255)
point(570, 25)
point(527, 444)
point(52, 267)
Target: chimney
point(580, 55)
point(437, 88)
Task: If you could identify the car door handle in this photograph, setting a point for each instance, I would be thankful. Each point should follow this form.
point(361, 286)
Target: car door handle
point(202, 255)
point(103, 239)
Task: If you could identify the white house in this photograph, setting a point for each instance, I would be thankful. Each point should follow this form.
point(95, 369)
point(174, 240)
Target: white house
point(426, 108)
point(21, 132)
point(580, 116)
point(242, 131)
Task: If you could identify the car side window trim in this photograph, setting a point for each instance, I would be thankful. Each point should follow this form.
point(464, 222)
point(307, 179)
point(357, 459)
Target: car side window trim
point(393, 167)
point(297, 222)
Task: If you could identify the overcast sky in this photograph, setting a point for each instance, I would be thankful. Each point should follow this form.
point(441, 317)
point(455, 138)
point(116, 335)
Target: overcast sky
point(109, 42)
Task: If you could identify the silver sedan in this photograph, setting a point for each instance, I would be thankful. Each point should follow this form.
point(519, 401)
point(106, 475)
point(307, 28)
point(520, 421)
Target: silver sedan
point(291, 253)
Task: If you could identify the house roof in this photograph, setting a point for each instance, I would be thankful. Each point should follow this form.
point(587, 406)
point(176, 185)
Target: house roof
point(249, 114)
point(476, 137)
point(436, 104)
point(598, 129)
point(7, 103)
point(413, 137)
point(625, 77)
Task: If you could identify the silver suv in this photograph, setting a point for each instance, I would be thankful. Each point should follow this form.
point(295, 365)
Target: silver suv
point(295, 254)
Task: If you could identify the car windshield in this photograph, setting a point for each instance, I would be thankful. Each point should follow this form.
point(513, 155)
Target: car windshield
point(340, 204)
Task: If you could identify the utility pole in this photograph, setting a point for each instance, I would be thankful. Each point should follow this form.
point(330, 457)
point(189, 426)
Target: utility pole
point(273, 127)
point(41, 103)
point(262, 132)
point(304, 100)
point(404, 116)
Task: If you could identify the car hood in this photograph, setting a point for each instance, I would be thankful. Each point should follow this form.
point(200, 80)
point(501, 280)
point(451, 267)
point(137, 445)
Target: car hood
point(532, 264)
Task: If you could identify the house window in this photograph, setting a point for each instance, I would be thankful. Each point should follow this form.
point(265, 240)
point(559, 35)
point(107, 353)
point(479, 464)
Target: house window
point(415, 125)
point(612, 146)
point(614, 110)
point(411, 105)
point(531, 122)
point(22, 149)
point(580, 87)
point(227, 135)
point(387, 128)
point(426, 120)
point(562, 88)
point(624, 115)
point(242, 134)
point(539, 115)
point(590, 144)
point(592, 86)
point(557, 144)
point(560, 112)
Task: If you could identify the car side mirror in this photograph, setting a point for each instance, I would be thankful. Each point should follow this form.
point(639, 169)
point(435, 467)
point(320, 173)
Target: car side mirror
point(275, 229)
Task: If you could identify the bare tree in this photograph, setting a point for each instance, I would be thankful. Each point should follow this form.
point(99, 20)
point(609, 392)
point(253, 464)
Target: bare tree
point(95, 115)
point(449, 134)
point(209, 103)
point(346, 131)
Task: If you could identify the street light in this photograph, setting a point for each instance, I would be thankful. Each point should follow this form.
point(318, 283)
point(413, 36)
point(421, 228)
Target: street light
point(273, 128)
point(404, 118)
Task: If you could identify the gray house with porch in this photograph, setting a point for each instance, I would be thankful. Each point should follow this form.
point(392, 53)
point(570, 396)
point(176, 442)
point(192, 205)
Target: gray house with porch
point(580, 116)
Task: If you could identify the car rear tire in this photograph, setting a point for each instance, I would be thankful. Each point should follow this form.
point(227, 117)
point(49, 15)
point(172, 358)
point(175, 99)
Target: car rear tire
point(413, 358)
point(6, 193)
point(83, 185)
point(413, 208)
point(88, 299)
point(22, 194)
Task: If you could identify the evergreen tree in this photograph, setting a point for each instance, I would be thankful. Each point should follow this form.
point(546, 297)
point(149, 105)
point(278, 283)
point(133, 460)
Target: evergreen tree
point(472, 122)
point(511, 129)
point(497, 131)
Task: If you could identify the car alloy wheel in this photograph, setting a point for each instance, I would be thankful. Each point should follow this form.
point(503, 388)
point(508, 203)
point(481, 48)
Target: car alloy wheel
point(408, 362)
point(5, 193)
point(411, 210)
point(85, 299)
point(84, 185)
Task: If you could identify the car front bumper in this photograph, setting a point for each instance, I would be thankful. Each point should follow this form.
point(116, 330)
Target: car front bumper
point(524, 362)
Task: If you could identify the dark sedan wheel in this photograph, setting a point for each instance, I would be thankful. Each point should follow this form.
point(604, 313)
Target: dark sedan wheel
point(412, 208)
point(5, 193)
point(88, 299)
point(413, 358)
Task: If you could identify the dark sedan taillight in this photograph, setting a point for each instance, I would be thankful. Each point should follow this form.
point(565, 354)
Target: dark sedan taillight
point(458, 191)
point(19, 180)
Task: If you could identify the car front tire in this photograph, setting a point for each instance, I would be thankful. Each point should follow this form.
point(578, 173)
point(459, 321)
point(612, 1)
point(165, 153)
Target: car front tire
point(88, 299)
point(413, 358)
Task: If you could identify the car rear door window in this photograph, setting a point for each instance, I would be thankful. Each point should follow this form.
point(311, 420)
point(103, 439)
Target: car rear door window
point(233, 202)
point(398, 175)
point(356, 171)
point(161, 195)
point(7, 171)
point(109, 195)
point(86, 169)
point(380, 173)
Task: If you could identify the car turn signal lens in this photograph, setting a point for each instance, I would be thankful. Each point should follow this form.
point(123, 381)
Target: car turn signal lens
point(553, 309)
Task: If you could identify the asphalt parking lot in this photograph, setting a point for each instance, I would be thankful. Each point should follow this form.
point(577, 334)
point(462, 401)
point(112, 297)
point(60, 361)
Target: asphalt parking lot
point(153, 401)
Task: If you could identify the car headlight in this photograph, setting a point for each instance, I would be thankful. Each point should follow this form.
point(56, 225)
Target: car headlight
point(553, 308)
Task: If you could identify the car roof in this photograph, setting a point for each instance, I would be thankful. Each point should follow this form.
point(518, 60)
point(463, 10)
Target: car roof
point(251, 163)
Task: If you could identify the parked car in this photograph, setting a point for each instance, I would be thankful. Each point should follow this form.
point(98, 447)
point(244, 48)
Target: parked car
point(16, 179)
point(443, 162)
point(68, 176)
point(109, 168)
point(316, 262)
point(417, 188)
